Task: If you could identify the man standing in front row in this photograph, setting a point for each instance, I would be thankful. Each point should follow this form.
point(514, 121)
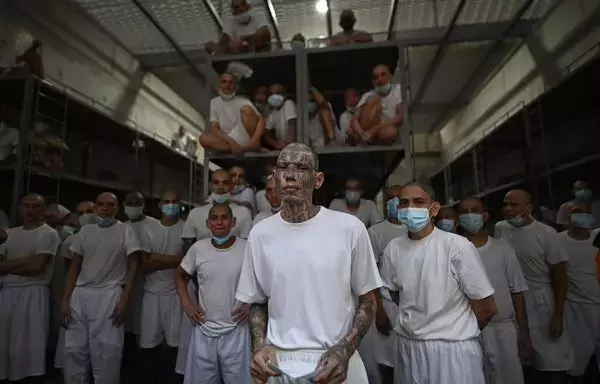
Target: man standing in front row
point(311, 332)
point(443, 293)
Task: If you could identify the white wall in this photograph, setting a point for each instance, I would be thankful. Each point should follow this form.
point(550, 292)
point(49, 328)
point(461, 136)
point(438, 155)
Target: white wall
point(80, 55)
point(569, 32)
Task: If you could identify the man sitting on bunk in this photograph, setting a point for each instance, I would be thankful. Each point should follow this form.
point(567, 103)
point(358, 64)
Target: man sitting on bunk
point(321, 120)
point(260, 99)
point(235, 124)
point(349, 35)
point(351, 98)
point(247, 31)
point(281, 122)
point(379, 111)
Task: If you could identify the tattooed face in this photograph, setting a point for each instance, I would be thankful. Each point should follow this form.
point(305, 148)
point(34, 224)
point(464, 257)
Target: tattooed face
point(295, 173)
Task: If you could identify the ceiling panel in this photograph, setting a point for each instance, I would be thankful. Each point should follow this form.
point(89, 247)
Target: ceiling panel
point(300, 17)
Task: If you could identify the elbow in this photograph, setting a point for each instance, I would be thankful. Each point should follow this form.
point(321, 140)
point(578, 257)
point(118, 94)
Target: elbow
point(488, 311)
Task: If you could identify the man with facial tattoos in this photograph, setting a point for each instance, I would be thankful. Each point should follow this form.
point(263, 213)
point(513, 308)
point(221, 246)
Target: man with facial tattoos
point(313, 332)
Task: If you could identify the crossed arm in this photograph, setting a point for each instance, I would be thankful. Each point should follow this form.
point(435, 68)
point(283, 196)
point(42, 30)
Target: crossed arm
point(26, 266)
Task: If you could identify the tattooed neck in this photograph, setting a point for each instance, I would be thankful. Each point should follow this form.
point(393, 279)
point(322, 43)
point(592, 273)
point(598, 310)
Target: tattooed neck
point(299, 212)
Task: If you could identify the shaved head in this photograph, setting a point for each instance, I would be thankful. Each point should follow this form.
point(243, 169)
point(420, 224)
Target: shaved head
point(134, 199)
point(393, 191)
point(520, 195)
point(107, 205)
point(221, 181)
point(518, 202)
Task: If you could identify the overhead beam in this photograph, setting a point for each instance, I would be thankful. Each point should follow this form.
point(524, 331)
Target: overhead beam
point(479, 70)
point(273, 19)
point(329, 20)
point(195, 71)
point(438, 57)
point(214, 15)
point(392, 19)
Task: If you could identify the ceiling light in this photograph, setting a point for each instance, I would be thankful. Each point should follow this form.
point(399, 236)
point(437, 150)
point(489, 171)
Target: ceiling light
point(321, 6)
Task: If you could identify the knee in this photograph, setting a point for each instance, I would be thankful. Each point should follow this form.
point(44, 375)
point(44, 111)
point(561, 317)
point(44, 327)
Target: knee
point(249, 117)
point(370, 114)
point(203, 139)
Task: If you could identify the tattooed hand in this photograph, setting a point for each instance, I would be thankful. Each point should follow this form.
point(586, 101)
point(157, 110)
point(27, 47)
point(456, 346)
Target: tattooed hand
point(333, 366)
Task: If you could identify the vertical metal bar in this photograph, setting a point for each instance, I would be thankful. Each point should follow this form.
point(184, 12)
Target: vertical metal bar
point(540, 112)
point(447, 184)
point(329, 20)
point(191, 180)
point(405, 131)
point(26, 113)
point(301, 94)
point(392, 19)
point(528, 159)
point(64, 141)
point(475, 170)
point(273, 18)
point(205, 177)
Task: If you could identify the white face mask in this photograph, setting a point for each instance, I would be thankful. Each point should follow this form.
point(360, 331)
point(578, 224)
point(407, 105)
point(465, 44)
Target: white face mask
point(134, 212)
point(226, 96)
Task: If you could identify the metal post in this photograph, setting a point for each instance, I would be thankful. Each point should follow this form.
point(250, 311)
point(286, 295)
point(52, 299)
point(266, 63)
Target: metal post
point(475, 170)
point(191, 181)
point(527, 156)
point(447, 185)
point(64, 139)
point(205, 177)
point(26, 121)
point(405, 131)
point(301, 63)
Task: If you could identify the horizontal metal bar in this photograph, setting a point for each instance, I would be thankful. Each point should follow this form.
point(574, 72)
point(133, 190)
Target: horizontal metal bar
point(415, 37)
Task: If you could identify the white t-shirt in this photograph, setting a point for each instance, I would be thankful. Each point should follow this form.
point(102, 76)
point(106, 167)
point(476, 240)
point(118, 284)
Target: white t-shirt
point(278, 119)
point(367, 211)
point(345, 123)
point(65, 247)
point(105, 252)
point(218, 272)
point(227, 112)
point(21, 243)
point(237, 30)
point(195, 225)
point(538, 246)
point(329, 257)
point(388, 103)
point(167, 241)
point(562, 217)
point(260, 216)
point(505, 274)
point(316, 131)
point(382, 233)
point(435, 278)
point(8, 141)
point(262, 204)
point(581, 269)
point(141, 229)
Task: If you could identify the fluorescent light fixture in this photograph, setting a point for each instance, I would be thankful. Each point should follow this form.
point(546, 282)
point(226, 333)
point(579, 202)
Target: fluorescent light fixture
point(321, 6)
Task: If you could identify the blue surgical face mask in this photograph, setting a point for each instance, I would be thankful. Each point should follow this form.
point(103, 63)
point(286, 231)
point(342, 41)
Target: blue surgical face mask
point(516, 221)
point(134, 213)
point(65, 231)
point(446, 225)
point(220, 199)
point(170, 210)
point(471, 222)
point(583, 220)
point(105, 223)
point(275, 100)
point(352, 196)
point(312, 107)
point(415, 219)
point(383, 89)
point(242, 18)
point(237, 189)
point(583, 194)
point(392, 208)
point(220, 240)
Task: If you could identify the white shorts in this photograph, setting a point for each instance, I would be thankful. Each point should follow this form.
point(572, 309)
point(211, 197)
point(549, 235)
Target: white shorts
point(309, 359)
point(91, 338)
point(438, 362)
point(185, 334)
point(240, 135)
point(161, 320)
point(223, 359)
point(24, 323)
point(583, 324)
point(549, 354)
point(501, 361)
point(385, 345)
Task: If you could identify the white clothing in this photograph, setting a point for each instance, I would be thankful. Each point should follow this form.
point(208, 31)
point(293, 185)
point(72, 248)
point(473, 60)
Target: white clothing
point(24, 326)
point(260, 216)
point(385, 349)
point(338, 260)
point(382, 233)
point(583, 324)
point(4, 223)
point(367, 210)
point(262, 204)
point(218, 272)
point(504, 272)
point(227, 113)
point(581, 269)
point(438, 362)
point(389, 102)
point(344, 125)
point(59, 286)
point(185, 335)
point(161, 310)
point(435, 278)
point(215, 360)
point(316, 130)
point(278, 120)
point(22, 243)
point(245, 195)
point(549, 354)
point(9, 140)
point(537, 246)
point(501, 362)
point(195, 225)
point(91, 338)
point(104, 253)
point(562, 216)
point(234, 29)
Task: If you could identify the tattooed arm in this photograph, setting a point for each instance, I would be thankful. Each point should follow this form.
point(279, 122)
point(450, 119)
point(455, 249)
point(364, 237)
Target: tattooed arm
point(333, 366)
point(259, 316)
